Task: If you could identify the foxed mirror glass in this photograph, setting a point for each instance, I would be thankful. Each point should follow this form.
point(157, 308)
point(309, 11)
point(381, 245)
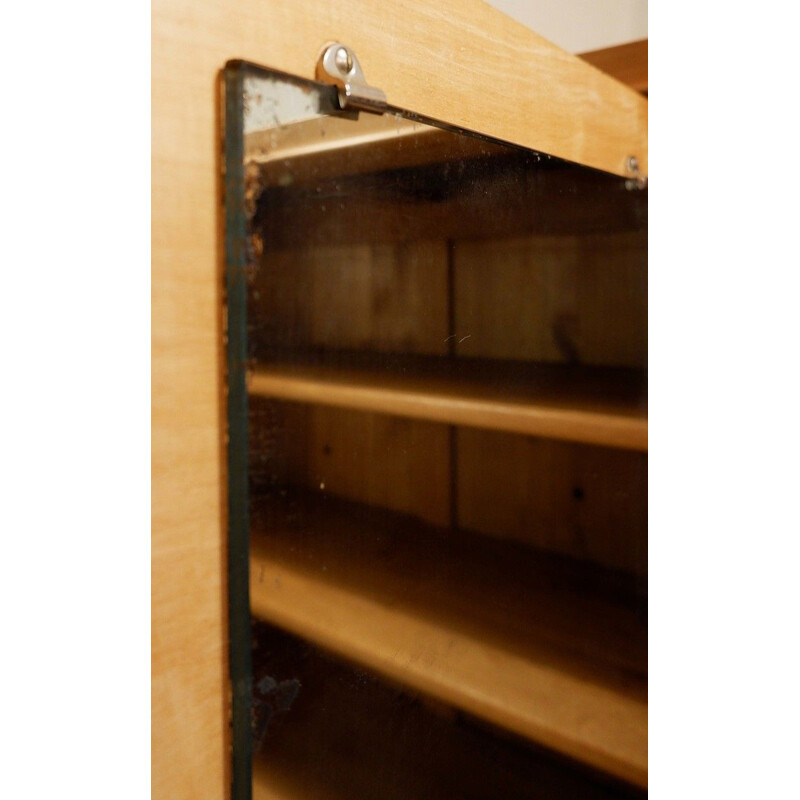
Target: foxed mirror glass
point(437, 458)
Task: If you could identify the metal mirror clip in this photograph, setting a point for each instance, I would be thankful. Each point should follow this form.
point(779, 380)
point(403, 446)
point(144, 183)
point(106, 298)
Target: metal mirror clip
point(339, 66)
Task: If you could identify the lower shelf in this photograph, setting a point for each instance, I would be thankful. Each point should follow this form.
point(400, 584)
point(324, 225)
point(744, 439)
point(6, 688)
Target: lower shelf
point(347, 735)
point(525, 642)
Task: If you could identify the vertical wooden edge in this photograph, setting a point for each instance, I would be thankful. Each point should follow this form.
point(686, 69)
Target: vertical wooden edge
point(626, 63)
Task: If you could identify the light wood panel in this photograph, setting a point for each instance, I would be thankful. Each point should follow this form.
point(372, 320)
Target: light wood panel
point(596, 406)
point(341, 714)
point(580, 300)
point(586, 502)
point(189, 648)
point(543, 658)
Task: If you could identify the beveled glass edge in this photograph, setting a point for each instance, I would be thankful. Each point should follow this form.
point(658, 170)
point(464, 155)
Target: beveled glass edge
point(235, 305)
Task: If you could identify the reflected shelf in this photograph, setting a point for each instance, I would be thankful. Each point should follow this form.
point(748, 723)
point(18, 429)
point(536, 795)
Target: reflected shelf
point(546, 655)
point(600, 406)
point(416, 749)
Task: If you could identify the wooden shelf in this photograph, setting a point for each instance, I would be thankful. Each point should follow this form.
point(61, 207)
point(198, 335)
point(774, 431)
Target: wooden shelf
point(412, 751)
point(590, 405)
point(532, 644)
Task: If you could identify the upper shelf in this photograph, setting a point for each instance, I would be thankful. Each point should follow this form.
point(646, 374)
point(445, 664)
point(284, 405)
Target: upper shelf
point(529, 643)
point(591, 405)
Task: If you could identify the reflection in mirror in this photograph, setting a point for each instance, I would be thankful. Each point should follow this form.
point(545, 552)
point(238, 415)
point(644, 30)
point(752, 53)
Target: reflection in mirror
point(437, 353)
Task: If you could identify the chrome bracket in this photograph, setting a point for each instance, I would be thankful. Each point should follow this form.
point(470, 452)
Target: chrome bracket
point(339, 66)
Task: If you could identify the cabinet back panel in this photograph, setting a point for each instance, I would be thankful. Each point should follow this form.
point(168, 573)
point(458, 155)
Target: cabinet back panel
point(574, 299)
point(395, 463)
point(578, 500)
point(568, 299)
point(390, 297)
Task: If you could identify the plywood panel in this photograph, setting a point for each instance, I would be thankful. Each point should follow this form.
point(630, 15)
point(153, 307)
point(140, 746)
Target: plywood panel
point(579, 300)
point(377, 297)
point(579, 500)
point(189, 652)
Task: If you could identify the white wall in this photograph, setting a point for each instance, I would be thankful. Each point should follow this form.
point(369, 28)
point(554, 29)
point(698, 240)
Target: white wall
point(581, 25)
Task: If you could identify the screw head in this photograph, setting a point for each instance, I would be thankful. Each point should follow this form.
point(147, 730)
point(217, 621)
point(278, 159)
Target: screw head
point(344, 61)
point(633, 164)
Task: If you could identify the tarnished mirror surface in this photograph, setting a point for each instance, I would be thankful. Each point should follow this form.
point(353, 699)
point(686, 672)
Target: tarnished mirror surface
point(437, 456)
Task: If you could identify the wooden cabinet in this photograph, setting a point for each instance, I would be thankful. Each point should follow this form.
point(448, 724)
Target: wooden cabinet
point(446, 416)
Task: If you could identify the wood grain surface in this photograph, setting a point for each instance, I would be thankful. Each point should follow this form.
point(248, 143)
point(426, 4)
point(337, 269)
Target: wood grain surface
point(382, 297)
point(583, 501)
point(390, 462)
point(574, 299)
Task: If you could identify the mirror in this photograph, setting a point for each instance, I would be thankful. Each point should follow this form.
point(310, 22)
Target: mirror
point(437, 355)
